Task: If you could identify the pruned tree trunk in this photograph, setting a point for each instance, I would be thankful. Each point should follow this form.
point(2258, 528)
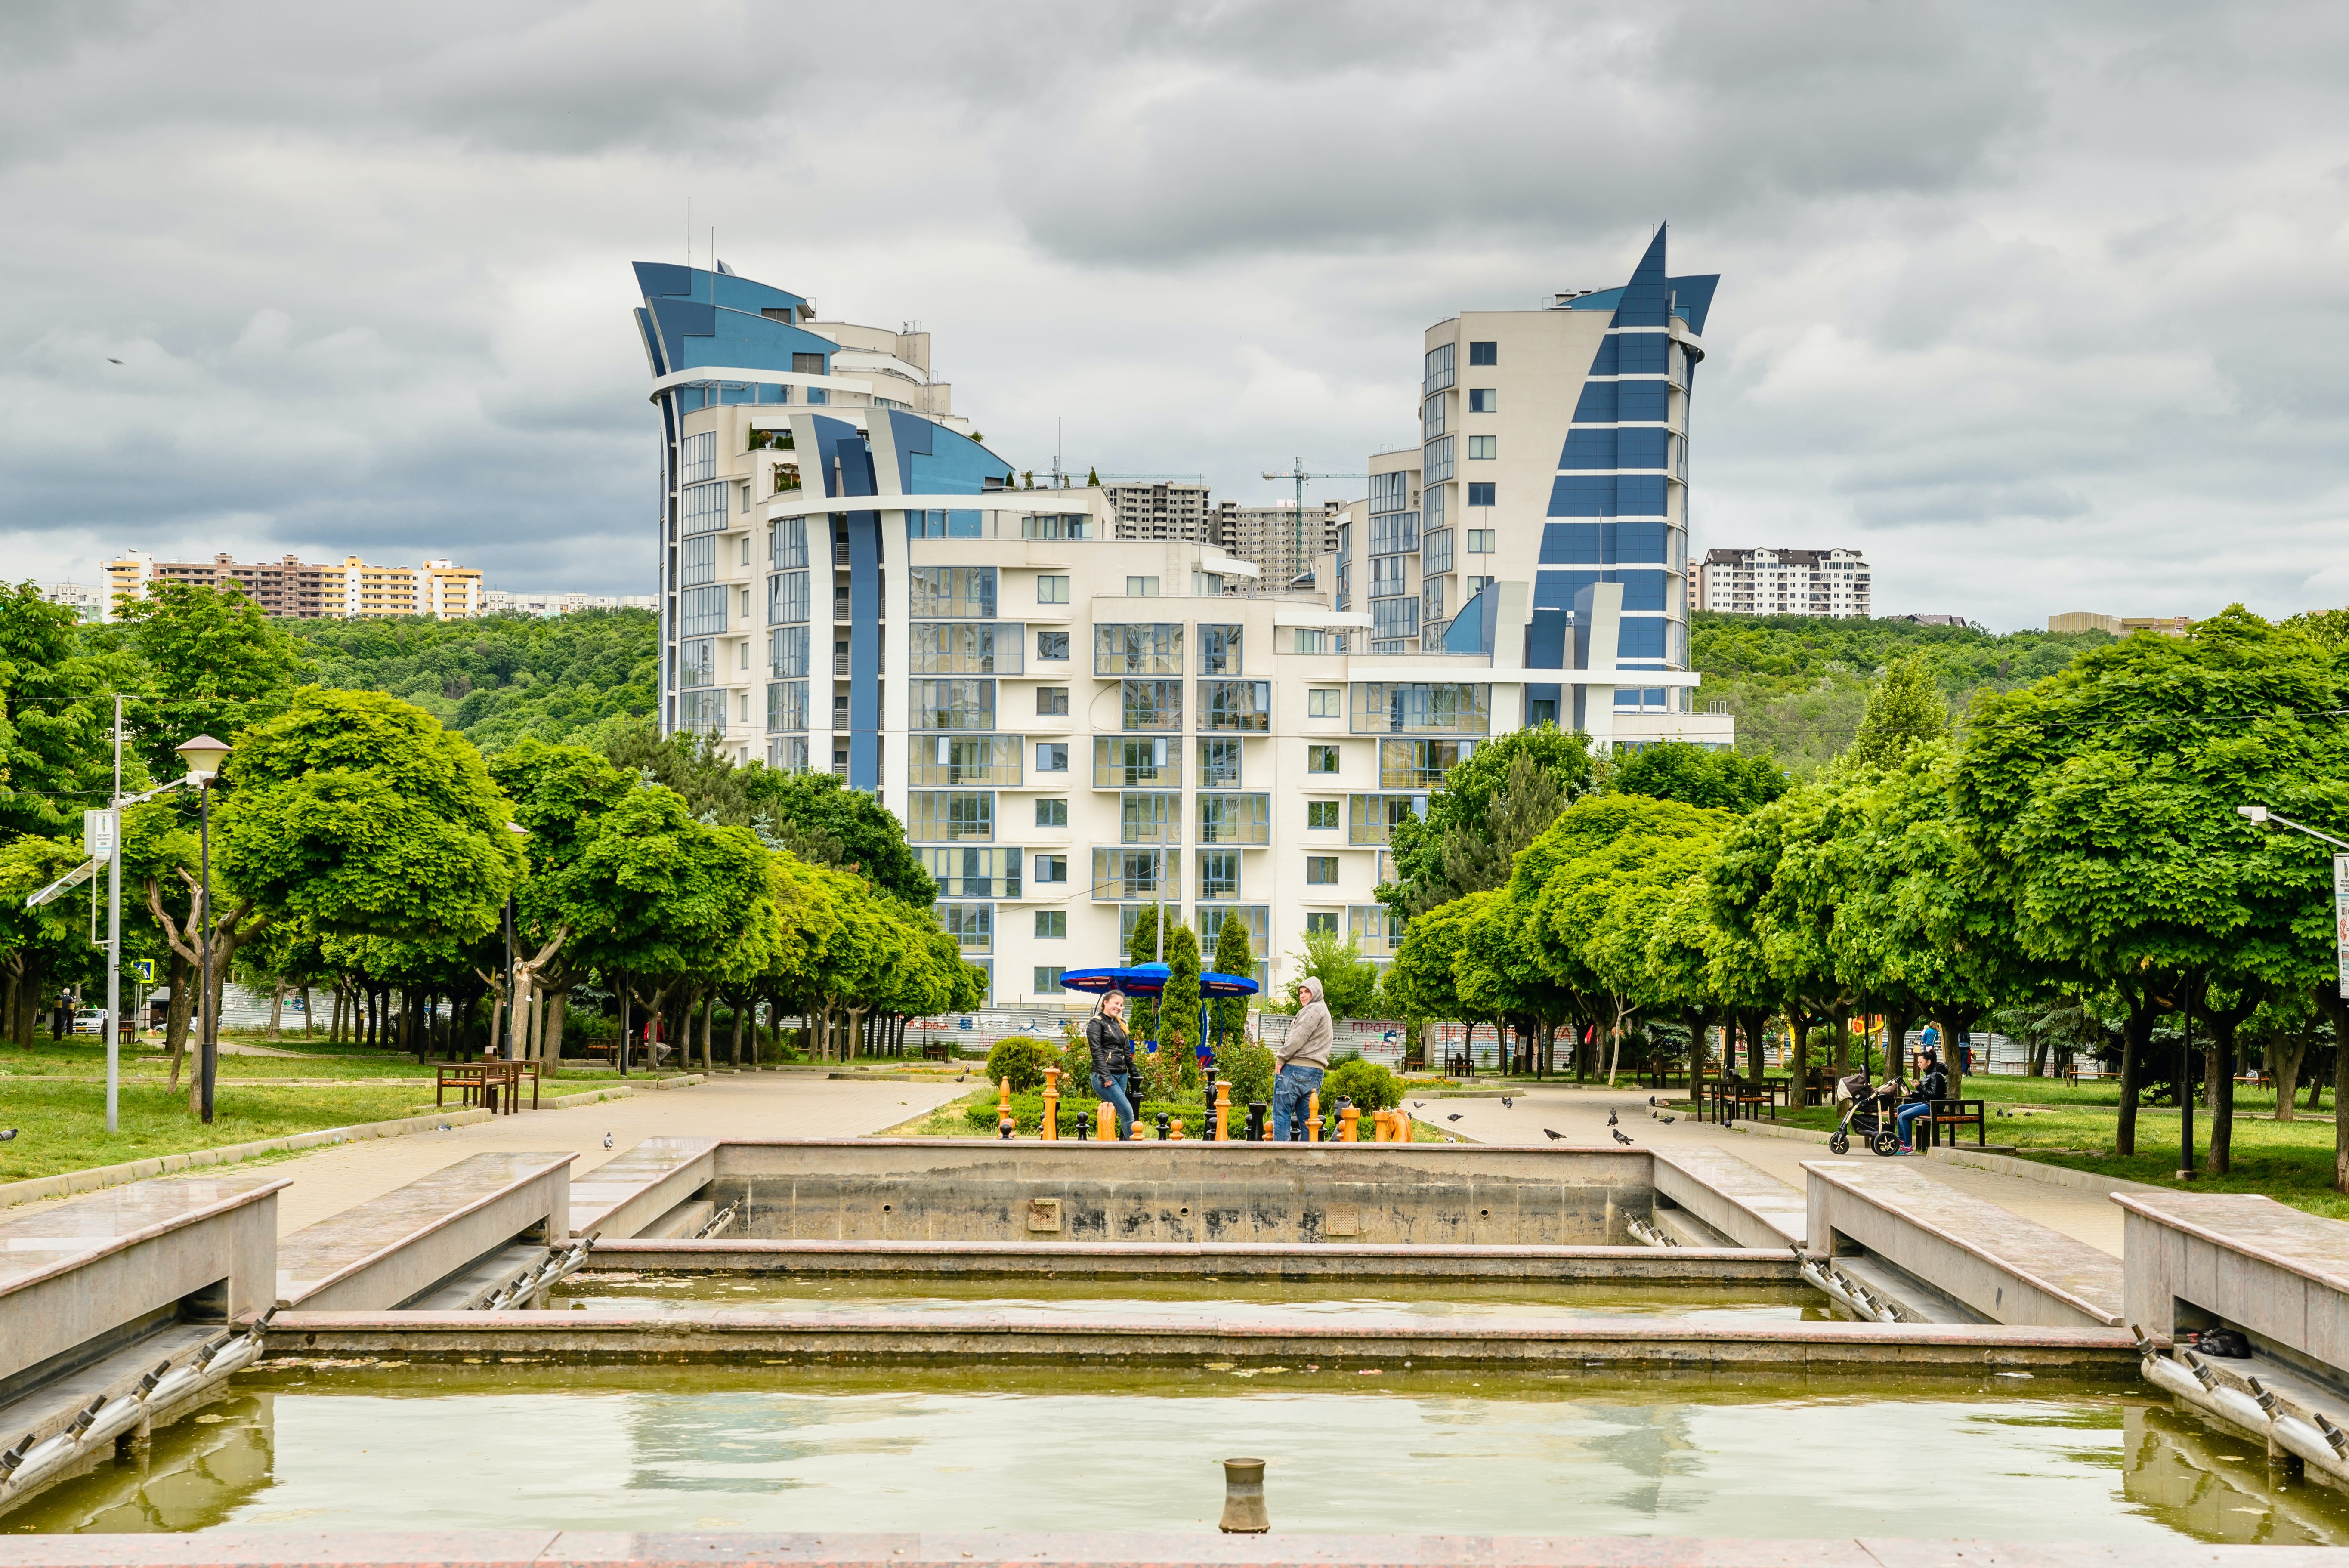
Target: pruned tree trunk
point(276, 1006)
point(176, 1016)
point(2136, 1039)
point(558, 1006)
point(735, 1055)
point(2285, 1054)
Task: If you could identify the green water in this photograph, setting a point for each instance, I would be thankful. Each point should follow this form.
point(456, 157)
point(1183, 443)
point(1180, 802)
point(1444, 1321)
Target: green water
point(347, 1447)
point(1202, 1299)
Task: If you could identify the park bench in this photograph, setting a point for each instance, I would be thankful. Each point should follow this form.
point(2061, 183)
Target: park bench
point(1461, 1065)
point(1954, 1114)
point(492, 1083)
point(936, 1051)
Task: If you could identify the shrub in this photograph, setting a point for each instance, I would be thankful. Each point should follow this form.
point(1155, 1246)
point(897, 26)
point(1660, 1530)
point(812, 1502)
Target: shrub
point(1077, 1064)
point(1020, 1060)
point(1370, 1086)
point(1247, 1068)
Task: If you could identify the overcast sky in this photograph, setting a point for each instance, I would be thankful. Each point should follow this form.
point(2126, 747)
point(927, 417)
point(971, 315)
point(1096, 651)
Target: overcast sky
point(2042, 306)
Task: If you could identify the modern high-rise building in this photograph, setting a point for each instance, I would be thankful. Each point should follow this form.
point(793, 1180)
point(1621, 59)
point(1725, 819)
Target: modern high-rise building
point(1269, 537)
point(1554, 452)
point(1170, 506)
point(300, 590)
point(1074, 728)
point(1830, 582)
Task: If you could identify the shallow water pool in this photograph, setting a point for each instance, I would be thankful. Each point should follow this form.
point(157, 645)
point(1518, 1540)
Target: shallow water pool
point(360, 1446)
point(1201, 1299)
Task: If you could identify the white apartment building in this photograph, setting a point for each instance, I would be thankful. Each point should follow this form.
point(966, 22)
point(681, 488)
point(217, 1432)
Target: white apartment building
point(1270, 538)
point(293, 589)
point(87, 602)
point(506, 601)
point(1761, 581)
point(1162, 506)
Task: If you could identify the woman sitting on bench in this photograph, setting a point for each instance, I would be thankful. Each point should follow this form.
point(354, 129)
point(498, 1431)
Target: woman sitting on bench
point(1920, 1103)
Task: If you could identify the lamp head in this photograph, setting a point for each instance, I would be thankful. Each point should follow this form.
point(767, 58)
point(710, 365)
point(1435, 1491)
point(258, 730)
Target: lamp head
point(204, 755)
point(2257, 815)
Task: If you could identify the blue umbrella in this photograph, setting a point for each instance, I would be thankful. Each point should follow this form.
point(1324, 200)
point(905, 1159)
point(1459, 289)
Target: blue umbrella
point(1150, 980)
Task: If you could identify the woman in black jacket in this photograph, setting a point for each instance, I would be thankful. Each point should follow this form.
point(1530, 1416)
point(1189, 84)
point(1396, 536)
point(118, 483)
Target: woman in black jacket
point(1113, 1050)
point(1934, 1085)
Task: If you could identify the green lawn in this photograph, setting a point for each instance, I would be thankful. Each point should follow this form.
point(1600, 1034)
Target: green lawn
point(61, 1125)
point(85, 1058)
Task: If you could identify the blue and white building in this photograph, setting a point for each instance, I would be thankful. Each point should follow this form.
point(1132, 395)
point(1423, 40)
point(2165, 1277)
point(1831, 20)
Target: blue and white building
point(1076, 728)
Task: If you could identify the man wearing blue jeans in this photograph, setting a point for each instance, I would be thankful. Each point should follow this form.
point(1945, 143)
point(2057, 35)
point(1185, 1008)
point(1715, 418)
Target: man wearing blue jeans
point(1304, 1054)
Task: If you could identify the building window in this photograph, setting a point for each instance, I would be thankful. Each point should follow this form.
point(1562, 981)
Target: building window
point(936, 524)
point(1435, 461)
point(1483, 448)
point(705, 508)
point(1376, 817)
point(1051, 645)
point(1392, 618)
point(1437, 375)
point(1138, 648)
point(787, 543)
point(962, 647)
point(1320, 759)
point(699, 459)
point(697, 562)
point(1052, 589)
point(1130, 874)
point(1437, 557)
point(787, 653)
point(697, 663)
point(1375, 930)
point(1052, 866)
point(955, 590)
point(972, 925)
point(1431, 600)
point(950, 705)
point(787, 598)
point(1480, 494)
point(1051, 702)
point(972, 873)
point(1419, 764)
point(787, 705)
point(1150, 818)
point(1395, 533)
point(1386, 576)
point(703, 712)
point(1048, 977)
point(1431, 418)
point(1219, 650)
point(936, 815)
point(1142, 587)
point(701, 612)
point(1388, 493)
point(1483, 354)
point(1056, 525)
point(1052, 813)
point(1152, 704)
point(1484, 400)
point(1322, 922)
point(1052, 925)
point(1126, 764)
point(1320, 813)
point(1244, 706)
point(963, 760)
point(1219, 874)
point(1455, 708)
point(1235, 819)
point(1051, 757)
point(1219, 763)
point(1320, 870)
point(1480, 542)
point(1325, 702)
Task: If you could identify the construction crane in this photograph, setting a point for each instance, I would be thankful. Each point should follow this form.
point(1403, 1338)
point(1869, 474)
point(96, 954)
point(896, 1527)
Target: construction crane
point(1296, 472)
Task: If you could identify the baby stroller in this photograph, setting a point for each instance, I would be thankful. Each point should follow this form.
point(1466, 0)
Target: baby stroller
point(1868, 1112)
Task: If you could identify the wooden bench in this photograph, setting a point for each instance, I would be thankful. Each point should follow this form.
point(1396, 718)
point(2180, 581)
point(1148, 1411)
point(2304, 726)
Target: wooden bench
point(936, 1051)
point(1461, 1066)
point(492, 1083)
point(1953, 1114)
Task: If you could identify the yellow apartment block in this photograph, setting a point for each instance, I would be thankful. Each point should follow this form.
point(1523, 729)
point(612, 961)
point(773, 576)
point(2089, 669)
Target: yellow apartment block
point(300, 590)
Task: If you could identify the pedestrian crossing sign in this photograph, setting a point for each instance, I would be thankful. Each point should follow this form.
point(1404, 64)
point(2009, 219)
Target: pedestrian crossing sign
point(143, 971)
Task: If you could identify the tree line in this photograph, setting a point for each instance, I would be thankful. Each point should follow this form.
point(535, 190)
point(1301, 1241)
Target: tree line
point(2070, 850)
point(360, 845)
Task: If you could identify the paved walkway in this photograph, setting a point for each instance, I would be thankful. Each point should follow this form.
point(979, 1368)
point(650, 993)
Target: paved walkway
point(1581, 1115)
point(749, 1105)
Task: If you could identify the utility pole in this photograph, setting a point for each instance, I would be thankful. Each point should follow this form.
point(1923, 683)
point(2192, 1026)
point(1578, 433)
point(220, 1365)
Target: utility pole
point(114, 934)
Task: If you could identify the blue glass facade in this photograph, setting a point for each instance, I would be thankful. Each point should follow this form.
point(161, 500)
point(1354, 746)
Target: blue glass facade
point(1617, 510)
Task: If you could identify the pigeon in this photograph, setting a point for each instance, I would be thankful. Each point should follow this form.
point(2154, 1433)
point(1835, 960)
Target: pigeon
point(1617, 1136)
point(1419, 1105)
point(1610, 1118)
point(1555, 1137)
point(1453, 1116)
point(1508, 1104)
point(607, 1140)
point(112, 360)
point(8, 1134)
point(1667, 1120)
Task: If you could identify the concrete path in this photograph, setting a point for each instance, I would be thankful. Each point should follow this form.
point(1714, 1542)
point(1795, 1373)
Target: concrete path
point(1581, 1115)
point(749, 1105)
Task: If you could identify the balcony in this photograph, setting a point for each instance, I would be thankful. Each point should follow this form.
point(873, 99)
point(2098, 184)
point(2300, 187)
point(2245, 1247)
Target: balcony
point(840, 665)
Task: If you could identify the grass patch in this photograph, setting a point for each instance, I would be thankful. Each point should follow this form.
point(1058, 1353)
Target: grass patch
point(61, 1125)
point(140, 1064)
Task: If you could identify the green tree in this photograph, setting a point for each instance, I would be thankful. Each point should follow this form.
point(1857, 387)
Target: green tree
point(38, 948)
point(562, 797)
point(56, 757)
point(1459, 814)
point(1423, 983)
point(1903, 711)
point(216, 662)
point(1178, 1014)
point(820, 819)
point(1142, 947)
point(1350, 982)
point(1695, 775)
point(1235, 955)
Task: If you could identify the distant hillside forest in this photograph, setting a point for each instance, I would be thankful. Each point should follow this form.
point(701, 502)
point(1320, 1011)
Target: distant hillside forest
point(1798, 684)
point(579, 678)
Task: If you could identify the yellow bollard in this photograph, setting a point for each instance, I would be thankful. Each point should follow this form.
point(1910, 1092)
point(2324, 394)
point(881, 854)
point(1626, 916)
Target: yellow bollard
point(1105, 1122)
point(1003, 1123)
point(1223, 1111)
point(1347, 1120)
point(1178, 1135)
point(1313, 1117)
point(1051, 1124)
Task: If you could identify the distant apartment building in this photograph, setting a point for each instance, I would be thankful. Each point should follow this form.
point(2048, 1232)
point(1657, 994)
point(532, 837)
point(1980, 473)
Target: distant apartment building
point(1763, 581)
point(1270, 538)
point(499, 601)
point(296, 590)
point(1169, 506)
point(87, 602)
point(2120, 626)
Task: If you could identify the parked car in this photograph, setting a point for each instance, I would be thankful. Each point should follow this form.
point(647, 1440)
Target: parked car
point(89, 1021)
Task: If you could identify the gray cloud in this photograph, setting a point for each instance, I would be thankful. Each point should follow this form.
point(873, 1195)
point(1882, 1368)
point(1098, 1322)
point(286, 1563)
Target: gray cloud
point(2044, 306)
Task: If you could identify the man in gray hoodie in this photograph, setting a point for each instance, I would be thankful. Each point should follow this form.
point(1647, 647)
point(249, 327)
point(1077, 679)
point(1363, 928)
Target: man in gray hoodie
point(1302, 1056)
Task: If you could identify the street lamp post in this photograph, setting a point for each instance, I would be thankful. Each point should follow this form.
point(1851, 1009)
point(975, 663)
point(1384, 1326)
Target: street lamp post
point(204, 755)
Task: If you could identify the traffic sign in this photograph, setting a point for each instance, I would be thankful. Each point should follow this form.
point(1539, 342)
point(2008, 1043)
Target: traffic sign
point(143, 971)
point(98, 834)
